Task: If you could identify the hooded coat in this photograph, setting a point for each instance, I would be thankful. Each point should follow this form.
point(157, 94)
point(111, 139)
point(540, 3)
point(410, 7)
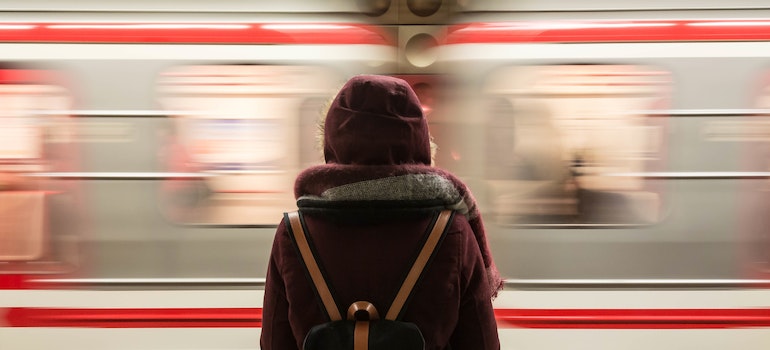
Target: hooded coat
point(366, 211)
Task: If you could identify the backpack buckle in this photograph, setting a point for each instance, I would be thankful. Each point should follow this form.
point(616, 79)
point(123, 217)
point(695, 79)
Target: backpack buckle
point(363, 311)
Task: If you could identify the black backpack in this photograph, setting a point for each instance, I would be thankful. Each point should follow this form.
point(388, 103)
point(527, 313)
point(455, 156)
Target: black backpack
point(363, 329)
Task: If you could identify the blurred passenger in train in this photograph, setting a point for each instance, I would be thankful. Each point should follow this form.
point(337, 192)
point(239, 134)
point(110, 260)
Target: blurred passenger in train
point(366, 211)
point(529, 177)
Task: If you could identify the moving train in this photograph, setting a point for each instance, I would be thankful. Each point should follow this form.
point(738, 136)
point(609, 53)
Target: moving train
point(620, 158)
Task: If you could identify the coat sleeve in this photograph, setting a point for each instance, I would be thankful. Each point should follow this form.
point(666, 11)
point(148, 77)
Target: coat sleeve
point(476, 328)
point(276, 329)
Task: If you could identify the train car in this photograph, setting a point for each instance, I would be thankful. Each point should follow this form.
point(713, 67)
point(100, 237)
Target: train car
point(621, 159)
point(618, 153)
point(146, 158)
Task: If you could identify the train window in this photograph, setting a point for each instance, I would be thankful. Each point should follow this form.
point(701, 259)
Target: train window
point(38, 232)
point(25, 119)
point(241, 128)
point(19, 138)
point(566, 143)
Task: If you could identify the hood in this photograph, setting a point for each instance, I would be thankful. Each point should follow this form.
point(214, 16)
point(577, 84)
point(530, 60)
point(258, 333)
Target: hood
point(376, 120)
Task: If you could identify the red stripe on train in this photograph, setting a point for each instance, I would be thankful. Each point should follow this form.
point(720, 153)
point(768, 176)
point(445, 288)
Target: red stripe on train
point(506, 318)
point(608, 31)
point(633, 318)
point(194, 33)
point(13, 281)
point(135, 318)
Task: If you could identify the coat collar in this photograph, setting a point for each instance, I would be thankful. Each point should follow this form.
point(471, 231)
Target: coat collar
point(332, 184)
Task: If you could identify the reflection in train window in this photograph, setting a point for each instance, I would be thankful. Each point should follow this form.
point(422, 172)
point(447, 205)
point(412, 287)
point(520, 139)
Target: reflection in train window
point(241, 128)
point(38, 215)
point(567, 143)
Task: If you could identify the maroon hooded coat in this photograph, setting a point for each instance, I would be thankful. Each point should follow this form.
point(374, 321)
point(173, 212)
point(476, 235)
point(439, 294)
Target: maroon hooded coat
point(366, 211)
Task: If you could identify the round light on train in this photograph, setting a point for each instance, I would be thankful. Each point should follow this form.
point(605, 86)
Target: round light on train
point(423, 8)
point(420, 50)
point(373, 8)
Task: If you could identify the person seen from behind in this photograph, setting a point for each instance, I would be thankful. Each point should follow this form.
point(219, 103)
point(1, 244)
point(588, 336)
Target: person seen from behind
point(366, 209)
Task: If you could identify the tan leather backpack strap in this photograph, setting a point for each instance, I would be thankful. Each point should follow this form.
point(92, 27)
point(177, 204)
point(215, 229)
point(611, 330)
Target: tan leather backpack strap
point(307, 256)
point(422, 259)
point(361, 330)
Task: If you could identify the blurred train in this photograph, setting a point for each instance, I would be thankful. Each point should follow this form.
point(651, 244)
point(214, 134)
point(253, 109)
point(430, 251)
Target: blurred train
point(620, 155)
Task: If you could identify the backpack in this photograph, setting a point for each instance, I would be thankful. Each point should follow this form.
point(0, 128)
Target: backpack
point(362, 329)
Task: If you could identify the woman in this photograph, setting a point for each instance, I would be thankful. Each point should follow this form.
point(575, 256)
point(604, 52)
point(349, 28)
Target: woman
point(366, 211)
